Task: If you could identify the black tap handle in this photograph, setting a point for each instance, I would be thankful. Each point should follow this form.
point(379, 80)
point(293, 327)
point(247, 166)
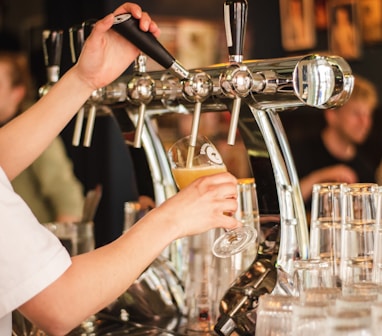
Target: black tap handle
point(128, 27)
point(88, 26)
point(235, 19)
point(76, 41)
point(52, 47)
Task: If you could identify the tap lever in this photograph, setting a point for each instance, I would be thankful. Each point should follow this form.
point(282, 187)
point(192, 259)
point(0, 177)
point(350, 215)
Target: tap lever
point(128, 27)
point(76, 41)
point(139, 127)
point(52, 47)
point(78, 127)
point(195, 123)
point(234, 121)
point(235, 20)
point(140, 91)
point(90, 125)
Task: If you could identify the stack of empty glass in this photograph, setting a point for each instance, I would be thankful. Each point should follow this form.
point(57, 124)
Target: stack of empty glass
point(338, 290)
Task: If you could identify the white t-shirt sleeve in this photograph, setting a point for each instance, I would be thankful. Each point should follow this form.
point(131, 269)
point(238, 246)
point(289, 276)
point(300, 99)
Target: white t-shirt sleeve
point(31, 257)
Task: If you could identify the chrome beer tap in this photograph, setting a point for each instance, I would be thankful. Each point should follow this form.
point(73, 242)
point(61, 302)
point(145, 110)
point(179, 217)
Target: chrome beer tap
point(52, 49)
point(113, 93)
point(236, 82)
point(76, 42)
point(95, 97)
point(196, 87)
point(140, 91)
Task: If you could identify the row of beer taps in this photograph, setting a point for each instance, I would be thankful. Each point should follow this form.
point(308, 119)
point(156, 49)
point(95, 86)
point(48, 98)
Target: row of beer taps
point(234, 81)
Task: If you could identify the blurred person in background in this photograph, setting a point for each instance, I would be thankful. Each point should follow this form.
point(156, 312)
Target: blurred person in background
point(48, 185)
point(335, 156)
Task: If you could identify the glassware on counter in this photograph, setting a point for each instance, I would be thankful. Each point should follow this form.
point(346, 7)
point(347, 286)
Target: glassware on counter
point(358, 226)
point(325, 225)
point(274, 315)
point(311, 273)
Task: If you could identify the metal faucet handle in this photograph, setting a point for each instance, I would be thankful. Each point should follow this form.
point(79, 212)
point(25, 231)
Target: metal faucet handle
point(128, 27)
point(235, 20)
point(76, 41)
point(140, 91)
point(52, 46)
point(52, 50)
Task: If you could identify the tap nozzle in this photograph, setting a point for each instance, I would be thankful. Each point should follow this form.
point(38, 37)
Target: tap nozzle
point(140, 91)
point(236, 82)
point(196, 89)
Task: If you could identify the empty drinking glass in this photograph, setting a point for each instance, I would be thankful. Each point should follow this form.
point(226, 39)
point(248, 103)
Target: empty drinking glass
point(311, 273)
point(358, 225)
point(320, 294)
point(377, 261)
point(274, 315)
point(310, 318)
point(325, 225)
point(349, 323)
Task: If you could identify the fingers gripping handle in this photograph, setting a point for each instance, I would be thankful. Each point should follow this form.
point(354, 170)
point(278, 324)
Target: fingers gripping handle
point(128, 27)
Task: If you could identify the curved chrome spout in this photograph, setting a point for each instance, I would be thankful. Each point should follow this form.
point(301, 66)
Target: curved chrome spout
point(285, 173)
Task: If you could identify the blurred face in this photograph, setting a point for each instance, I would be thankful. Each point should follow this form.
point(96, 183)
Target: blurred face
point(10, 97)
point(353, 121)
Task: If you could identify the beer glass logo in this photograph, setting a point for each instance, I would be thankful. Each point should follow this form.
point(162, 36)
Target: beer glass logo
point(212, 154)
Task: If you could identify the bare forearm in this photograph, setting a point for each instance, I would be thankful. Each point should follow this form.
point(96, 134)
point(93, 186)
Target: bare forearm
point(23, 139)
point(95, 279)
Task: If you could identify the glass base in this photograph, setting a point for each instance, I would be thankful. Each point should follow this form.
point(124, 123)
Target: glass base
point(234, 241)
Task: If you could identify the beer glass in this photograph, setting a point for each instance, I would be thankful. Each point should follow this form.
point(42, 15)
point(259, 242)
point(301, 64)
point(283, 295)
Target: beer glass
point(191, 162)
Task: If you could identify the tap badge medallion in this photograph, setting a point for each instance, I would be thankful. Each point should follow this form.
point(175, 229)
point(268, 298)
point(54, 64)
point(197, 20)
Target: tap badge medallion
point(212, 154)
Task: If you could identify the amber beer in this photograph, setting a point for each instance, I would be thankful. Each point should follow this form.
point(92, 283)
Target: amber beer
point(184, 176)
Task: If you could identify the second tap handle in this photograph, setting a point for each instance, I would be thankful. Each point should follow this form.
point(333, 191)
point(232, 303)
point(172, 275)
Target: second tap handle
point(52, 47)
point(128, 27)
point(235, 20)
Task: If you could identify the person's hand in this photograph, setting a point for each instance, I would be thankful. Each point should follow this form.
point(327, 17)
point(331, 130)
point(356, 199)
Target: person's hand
point(201, 206)
point(146, 202)
point(106, 54)
point(338, 173)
